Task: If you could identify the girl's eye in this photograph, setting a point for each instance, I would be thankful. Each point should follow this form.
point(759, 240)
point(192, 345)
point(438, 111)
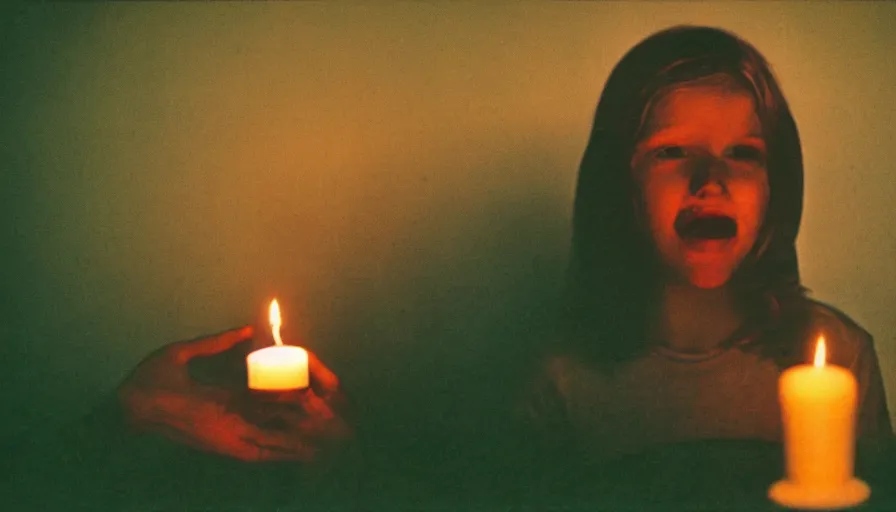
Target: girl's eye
point(670, 153)
point(748, 154)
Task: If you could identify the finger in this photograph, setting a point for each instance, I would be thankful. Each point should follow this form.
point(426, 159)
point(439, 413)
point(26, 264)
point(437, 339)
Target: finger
point(231, 435)
point(275, 445)
point(184, 351)
point(301, 424)
point(249, 451)
point(286, 413)
point(268, 454)
point(323, 377)
point(316, 406)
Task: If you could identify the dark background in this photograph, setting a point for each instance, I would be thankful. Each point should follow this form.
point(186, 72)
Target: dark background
point(400, 177)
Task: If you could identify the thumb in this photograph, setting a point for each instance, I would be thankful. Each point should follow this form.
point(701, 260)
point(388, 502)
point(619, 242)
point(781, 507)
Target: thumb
point(323, 377)
point(184, 351)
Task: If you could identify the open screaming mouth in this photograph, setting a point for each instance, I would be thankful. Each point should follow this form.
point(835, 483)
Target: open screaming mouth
point(693, 225)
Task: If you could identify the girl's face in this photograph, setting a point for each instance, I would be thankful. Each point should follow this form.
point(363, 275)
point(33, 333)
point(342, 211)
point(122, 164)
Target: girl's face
point(701, 168)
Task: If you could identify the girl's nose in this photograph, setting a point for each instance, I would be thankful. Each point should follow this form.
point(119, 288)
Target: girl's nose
point(709, 177)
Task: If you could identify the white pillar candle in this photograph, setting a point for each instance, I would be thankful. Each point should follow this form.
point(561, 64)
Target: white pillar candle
point(278, 368)
point(818, 410)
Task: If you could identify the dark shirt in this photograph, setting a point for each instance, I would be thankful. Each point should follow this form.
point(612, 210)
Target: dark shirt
point(668, 397)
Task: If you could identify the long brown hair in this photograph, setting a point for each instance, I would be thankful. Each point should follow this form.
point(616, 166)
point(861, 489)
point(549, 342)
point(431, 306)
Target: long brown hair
point(613, 275)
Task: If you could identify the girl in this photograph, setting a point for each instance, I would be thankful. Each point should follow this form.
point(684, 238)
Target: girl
point(685, 301)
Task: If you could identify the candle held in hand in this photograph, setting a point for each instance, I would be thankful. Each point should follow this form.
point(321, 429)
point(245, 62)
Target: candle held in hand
point(278, 368)
point(818, 409)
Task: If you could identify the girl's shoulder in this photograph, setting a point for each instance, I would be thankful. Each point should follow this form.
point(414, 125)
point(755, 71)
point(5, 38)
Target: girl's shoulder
point(846, 341)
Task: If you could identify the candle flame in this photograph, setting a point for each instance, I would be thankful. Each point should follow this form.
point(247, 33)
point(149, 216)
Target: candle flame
point(820, 352)
point(274, 318)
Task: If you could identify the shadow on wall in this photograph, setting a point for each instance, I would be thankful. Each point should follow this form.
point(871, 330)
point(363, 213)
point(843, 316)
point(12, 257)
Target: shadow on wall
point(440, 330)
point(432, 342)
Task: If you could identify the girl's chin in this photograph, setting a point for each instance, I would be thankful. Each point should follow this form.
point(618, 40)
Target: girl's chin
point(706, 277)
point(708, 282)
point(707, 264)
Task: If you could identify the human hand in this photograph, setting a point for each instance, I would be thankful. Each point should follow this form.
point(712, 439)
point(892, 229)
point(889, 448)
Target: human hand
point(161, 396)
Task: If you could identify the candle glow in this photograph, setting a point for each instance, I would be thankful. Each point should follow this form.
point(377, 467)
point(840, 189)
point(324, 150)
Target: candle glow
point(820, 352)
point(275, 320)
point(818, 410)
point(278, 368)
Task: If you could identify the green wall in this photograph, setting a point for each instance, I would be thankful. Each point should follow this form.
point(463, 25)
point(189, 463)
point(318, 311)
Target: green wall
point(400, 176)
